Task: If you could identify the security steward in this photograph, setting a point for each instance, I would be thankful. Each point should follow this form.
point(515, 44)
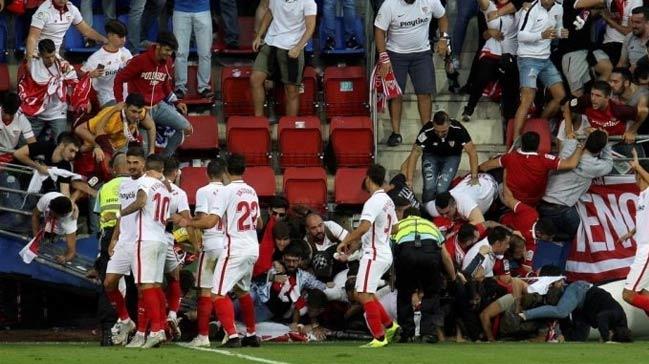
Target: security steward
point(108, 208)
point(418, 261)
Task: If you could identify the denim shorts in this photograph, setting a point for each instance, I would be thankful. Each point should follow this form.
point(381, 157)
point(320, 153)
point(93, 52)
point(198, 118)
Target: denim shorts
point(419, 66)
point(532, 69)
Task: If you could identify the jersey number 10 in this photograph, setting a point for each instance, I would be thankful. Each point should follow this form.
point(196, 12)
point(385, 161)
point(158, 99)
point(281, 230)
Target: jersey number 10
point(161, 208)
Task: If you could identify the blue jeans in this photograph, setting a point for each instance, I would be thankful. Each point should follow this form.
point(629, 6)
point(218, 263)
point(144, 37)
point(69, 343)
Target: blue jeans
point(329, 17)
point(166, 115)
point(573, 297)
point(107, 6)
point(230, 22)
point(201, 23)
point(466, 10)
point(438, 172)
point(564, 218)
point(41, 128)
point(137, 22)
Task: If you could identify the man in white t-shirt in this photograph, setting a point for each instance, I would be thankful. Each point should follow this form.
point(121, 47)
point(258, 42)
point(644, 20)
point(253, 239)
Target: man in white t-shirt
point(401, 35)
point(55, 210)
point(210, 251)
point(104, 64)
point(52, 20)
point(237, 208)
point(466, 201)
point(487, 251)
point(14, 124)
point(288, 26)
point(323, 238)
point(378, 221)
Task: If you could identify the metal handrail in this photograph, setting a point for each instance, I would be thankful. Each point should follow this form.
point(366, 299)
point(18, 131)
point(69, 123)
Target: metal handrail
point(641, 138)
point(22, 212)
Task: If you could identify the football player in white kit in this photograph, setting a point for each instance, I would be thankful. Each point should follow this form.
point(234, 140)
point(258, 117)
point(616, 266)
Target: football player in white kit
point(210, 251)
point(237, 207)
point(378, 221)
point(179, 205)
point(151, 207)
point(636, 285)
point(122, 247)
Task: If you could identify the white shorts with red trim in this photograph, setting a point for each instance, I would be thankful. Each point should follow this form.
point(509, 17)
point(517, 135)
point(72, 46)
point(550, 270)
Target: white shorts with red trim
point(206, 265)
point(121, 260)
point(149, 261)
point(172, 261)
point(638, 277)
point(233, 271)
point(370, 273)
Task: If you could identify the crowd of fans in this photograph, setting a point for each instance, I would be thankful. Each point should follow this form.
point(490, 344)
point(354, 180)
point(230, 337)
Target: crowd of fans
point(477, 257)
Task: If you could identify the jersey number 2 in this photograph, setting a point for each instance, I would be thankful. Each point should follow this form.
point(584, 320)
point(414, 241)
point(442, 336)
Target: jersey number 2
point(248, 218)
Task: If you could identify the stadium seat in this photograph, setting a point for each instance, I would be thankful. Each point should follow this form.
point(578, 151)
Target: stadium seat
point(73, 41)
point(249, 136)
point(306, 186)
point(235, 91)
point(191, 179)
point(348, 186)
point(246, 37)
point(345, 91)
point(262, 179)
point(192, 97)
point(352, 141)
point(205, 135)
point(540, 126)
point(300, 141)
point(340, 47)
point(307, 96)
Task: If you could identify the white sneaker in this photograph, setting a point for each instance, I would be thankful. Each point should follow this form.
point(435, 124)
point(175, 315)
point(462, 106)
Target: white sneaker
point(137, 341)
point(200, 341)
point(154, 339)
point(121, 331)
point(174, 327)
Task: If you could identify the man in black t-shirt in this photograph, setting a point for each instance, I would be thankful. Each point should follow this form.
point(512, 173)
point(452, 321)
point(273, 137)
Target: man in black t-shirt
point(440, 144)
point(43, 155)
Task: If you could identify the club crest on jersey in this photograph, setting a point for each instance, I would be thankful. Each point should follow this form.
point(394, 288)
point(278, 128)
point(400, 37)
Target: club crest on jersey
point(451, 143)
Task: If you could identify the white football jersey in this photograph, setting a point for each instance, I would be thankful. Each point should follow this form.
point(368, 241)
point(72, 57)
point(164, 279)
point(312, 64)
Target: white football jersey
point(152, 218)
point(206, 202)
point(112, 62)
point(237, 204)
point(378, 210)
point(179, 203)
point(128, 224)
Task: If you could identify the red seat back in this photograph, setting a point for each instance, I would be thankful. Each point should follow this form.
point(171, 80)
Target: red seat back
point(249, 136)
point(191, 179)
point(300, 141)
point(262, 179)
point(205, 135)
point(4, 78)
point(306, 186)
point(346, 91)
point(235, 91)
point(541, 126)
point(352, 141)
point(348, 186)
point(192, 97)
point(307, 96)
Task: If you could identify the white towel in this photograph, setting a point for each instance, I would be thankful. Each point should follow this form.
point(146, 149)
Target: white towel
point(54, 173)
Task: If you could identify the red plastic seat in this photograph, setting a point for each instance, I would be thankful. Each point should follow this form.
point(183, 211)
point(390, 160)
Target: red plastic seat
point(205, 135)
point(262, 179)
point(352, 140)
point(348, 186)
point(300, 141)
point(191, 179)
point(236, 92)
point(246, 37)
point(249, 136)
point(306, 186)
point(307, 97)
point(192, 97)
point(541, 126)
point(345, 91)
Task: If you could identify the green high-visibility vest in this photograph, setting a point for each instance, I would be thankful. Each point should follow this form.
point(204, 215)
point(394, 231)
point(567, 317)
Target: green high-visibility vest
point(108, 200)
point(410, 226)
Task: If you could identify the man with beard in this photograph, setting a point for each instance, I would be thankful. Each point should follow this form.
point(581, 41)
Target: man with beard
point(630, 94)
point(322, 238)
point(634, 46)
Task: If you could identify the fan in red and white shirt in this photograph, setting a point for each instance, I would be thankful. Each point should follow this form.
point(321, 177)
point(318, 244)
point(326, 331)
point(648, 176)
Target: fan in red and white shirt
point(52, 20)
point(237, 207)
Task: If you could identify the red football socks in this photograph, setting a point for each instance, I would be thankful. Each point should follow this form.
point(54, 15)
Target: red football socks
point(641, 301)
point(203, 315)
point(151, 297)
point(373, 319)
point(173, 294)
point(386, 320)
point(142, 317)
point(248, 312)
point(225, 313)
point(117, 301)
